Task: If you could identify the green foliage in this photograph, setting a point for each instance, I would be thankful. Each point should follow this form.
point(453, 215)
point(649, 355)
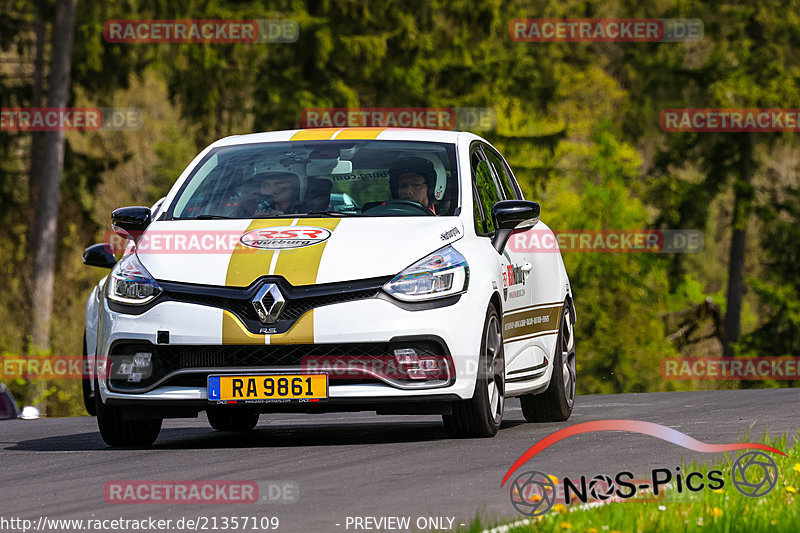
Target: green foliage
point(779, 291)
point(618, 296)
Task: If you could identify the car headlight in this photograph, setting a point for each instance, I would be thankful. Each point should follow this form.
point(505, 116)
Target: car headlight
point(130, 283)
point(441, 274)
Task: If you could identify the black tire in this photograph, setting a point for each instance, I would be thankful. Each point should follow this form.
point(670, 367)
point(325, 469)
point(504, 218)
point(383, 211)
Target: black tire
point(556, 403)
point(232, 419)
point(86, 383)
point(119, 432)
point(481, 416)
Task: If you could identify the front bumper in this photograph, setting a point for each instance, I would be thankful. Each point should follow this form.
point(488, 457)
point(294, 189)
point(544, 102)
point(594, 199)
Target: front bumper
point(368, 322)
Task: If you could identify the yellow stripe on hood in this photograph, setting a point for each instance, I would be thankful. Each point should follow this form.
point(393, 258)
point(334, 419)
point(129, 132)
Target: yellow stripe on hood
point(300, 266)
point(248, 264)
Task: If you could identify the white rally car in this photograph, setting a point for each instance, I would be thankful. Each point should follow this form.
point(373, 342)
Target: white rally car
point(331, 269)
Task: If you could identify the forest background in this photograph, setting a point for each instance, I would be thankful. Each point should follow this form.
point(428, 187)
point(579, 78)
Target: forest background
point(578, 122)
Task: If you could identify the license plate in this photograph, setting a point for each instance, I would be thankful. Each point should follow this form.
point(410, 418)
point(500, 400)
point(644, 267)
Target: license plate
point(265, 388)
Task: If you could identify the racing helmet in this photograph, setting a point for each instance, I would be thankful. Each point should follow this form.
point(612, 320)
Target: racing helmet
point(287, 167)
point(413, 165)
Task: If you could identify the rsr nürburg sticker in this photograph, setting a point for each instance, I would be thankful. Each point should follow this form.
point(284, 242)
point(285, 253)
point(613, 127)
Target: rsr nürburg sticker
point(283, 237)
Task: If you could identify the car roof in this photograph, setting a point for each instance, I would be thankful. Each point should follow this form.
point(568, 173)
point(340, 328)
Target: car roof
point(340, 134)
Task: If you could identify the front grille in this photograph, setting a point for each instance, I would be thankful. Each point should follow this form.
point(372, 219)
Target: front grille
point(240, 307)
point(168, 359)
point(182, 357)
point(298, 302)
point(294, 309)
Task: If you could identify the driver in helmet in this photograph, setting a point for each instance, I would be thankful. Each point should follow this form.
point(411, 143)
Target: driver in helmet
point(413, 178)
point(268, 194)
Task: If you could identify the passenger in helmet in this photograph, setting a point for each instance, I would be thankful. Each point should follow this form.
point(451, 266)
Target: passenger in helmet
point(267, 194)
point(413, 178)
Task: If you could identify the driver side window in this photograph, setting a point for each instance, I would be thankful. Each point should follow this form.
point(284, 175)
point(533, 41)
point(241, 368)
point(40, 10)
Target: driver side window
point(485, 194)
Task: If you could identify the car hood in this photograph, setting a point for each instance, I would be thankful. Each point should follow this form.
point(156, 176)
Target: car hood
point(304, 251)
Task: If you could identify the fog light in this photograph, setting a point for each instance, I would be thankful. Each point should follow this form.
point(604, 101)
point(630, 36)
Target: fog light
point(429, 365)
point(125, 369)
point(415, 369)
point(406, 356)
point(416, 373)
point(135, 368)
point(142, 360)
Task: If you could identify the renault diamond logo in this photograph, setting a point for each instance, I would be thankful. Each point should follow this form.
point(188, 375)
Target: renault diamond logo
point(268, 303)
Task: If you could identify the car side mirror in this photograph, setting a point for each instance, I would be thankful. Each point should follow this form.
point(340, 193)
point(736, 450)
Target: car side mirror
point(99, 255)
point(510, 215)
point(130, 222)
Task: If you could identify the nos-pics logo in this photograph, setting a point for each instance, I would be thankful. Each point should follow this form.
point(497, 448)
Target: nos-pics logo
point(533, 493)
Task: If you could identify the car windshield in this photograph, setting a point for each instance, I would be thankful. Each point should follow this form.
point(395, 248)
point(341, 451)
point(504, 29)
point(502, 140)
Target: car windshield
point(328, 178)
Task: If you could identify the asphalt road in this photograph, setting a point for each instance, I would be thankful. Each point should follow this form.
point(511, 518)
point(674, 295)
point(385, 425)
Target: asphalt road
point(360, 464)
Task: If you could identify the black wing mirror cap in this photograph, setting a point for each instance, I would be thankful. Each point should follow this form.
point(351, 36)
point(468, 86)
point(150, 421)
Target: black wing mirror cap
point(99, 255)
point(130, 222)
point(510, 215)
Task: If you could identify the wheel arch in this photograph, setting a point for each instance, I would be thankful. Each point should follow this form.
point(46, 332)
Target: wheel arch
point(569, 301)
point(497, 302)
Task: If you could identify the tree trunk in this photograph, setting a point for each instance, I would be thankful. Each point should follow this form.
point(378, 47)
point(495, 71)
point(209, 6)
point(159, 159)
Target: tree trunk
point(743, 191)
point(36, 101)
point(37, 137)
point(45, 237)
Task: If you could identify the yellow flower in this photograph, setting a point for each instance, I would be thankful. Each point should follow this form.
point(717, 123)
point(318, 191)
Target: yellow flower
point(791, 489)
point(716, 512)
point(559, 508)
point(718, 491)
point(535, 497)
point(554, 479)
point(566, 525)
point(796, 467)
point(591, 530)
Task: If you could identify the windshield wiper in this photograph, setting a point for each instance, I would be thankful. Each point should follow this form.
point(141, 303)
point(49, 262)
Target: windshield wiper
point(209, 217)
point(328, 213)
